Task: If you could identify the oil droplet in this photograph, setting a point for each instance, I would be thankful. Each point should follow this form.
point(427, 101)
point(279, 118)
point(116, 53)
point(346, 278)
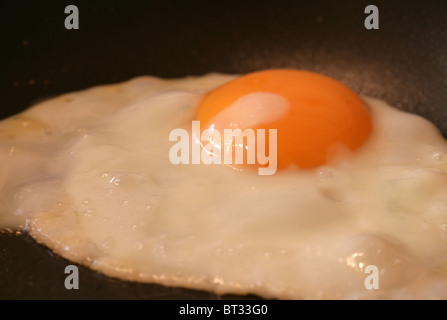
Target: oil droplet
point(217, 280)
point(438, 155)
point(108, 243)
point(12, 151)
point(325, 173)
point(88, 213)
point(158, 249)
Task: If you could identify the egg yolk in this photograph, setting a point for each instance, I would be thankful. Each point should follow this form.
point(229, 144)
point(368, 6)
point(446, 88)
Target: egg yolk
point(312, 113)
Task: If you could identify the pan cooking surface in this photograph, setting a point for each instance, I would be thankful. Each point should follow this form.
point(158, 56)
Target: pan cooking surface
point(404, 63)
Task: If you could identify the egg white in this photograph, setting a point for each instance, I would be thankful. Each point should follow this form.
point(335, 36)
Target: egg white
point(88, 174)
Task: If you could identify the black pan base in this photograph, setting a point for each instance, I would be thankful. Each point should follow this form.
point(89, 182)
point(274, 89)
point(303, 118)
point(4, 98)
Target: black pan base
point(403, 62)
point(29, 270)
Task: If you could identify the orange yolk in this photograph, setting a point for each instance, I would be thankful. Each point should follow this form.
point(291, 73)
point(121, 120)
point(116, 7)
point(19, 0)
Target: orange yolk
point(321, 113)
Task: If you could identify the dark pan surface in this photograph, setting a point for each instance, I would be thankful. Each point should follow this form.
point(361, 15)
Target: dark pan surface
point(404, 62)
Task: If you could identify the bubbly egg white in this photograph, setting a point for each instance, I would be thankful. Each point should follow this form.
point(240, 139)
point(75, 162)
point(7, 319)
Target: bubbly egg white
point(88, 174)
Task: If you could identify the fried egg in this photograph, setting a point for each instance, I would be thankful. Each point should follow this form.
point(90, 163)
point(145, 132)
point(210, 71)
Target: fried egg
point(88, 174)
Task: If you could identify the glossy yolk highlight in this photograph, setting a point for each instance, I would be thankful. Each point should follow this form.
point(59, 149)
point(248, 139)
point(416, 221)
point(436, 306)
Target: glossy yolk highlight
point(322, 114)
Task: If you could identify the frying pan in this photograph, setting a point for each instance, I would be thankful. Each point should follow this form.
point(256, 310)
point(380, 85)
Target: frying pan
point(403, 62)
